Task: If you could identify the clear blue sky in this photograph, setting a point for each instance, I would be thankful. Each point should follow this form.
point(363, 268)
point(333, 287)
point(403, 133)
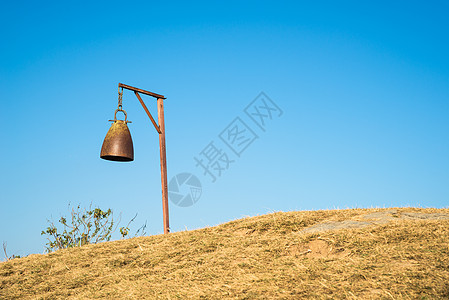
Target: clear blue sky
point(364, 90)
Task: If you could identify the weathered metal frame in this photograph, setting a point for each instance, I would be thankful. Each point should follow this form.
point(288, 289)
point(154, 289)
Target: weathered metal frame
point(160, 128)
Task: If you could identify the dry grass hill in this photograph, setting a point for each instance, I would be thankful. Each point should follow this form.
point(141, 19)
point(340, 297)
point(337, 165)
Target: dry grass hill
point(398, 253)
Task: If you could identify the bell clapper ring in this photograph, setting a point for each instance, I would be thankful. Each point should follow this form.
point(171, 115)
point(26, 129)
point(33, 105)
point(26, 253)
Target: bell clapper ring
point(115, 115)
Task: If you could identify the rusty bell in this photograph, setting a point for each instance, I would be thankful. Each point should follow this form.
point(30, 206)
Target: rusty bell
point(118, 144)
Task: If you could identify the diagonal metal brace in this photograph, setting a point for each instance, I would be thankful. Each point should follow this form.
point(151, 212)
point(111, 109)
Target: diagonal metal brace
point(158, 129)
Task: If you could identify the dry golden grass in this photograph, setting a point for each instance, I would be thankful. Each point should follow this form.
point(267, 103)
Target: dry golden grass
point(262, 257)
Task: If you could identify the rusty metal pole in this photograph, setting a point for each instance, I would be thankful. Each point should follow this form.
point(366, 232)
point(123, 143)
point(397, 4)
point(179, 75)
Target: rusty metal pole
point(160, 117)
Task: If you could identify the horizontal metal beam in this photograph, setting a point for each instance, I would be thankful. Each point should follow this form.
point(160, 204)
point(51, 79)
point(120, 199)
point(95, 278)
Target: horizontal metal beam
point(131, 88)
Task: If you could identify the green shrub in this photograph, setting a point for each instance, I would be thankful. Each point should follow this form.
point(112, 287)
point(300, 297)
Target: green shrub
point(86, 226)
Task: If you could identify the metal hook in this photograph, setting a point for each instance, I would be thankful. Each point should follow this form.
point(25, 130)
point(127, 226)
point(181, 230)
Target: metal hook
point(120, 94)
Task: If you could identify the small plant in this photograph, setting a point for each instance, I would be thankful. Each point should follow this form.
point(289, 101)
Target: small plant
point(87, 226)
point(124, 231)
point(5, 244)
